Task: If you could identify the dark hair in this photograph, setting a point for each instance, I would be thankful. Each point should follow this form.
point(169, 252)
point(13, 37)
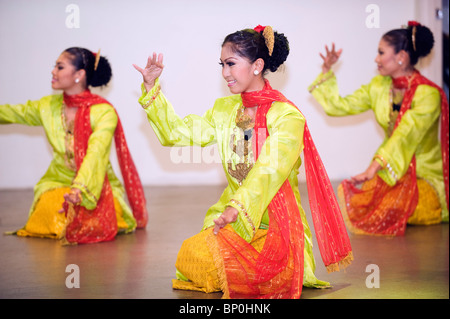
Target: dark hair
point(84, 59)
point(250, 44)
point(402, 39)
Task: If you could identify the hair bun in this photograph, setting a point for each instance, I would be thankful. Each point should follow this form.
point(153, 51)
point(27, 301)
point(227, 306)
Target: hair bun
point(424, 40)
point(280, 52)
point(102, 75)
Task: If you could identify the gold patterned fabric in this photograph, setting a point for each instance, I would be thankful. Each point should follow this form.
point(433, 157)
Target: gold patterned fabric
point(428, 209)
point(195, 261)
point(47, 222)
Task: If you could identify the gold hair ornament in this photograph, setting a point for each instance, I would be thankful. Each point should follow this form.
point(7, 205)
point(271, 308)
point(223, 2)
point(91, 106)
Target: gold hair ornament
point(269, 38)
point(414, 25)
point(97, 59)
point(414, 29)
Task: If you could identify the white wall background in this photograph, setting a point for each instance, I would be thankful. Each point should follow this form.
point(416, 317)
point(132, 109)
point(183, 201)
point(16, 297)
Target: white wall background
point(189, 33)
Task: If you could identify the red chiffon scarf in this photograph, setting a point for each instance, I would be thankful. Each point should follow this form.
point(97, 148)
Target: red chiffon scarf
point(100, 224)
point(411, 85)
point(277, 271)
point(380, 209)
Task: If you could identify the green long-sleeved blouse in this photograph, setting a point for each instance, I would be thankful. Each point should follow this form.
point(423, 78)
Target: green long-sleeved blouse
point(48, 113)
point(279, 159)
point(417, 133)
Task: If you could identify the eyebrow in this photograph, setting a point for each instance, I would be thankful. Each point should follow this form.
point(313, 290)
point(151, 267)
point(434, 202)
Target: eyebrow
point(229, 58)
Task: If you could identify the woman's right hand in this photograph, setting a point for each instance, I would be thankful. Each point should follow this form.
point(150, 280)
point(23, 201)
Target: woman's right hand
point(152, 70)
point(73, 197)
point(229, 215)
point(368, 174)
point(331, 58)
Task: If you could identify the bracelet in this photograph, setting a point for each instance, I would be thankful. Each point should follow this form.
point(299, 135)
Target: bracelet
point(381, 159)
point(244, 211)
point(387, 166)
point(153, 98)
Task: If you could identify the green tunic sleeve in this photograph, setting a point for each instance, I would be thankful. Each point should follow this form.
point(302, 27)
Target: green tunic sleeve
point(28, 113)
point(325, 90)
point(91, 174)
point(171, 129)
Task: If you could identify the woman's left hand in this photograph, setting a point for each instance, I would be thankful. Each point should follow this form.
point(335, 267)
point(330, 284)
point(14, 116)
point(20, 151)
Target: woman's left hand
point(229, 215)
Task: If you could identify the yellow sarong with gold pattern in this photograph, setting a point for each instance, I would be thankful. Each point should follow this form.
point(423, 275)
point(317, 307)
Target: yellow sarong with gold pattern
point(195, 262)
point(47, 221)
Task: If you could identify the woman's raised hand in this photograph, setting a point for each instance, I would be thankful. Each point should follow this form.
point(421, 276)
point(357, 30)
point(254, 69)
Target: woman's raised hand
point(331, 58)
point(152, 70)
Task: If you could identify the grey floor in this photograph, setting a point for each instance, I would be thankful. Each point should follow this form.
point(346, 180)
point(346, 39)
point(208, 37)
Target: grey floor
point(141, 265)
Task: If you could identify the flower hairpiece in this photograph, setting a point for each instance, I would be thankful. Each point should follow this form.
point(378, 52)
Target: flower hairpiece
point(413, 24)
point(259, 28)
point(269, 37)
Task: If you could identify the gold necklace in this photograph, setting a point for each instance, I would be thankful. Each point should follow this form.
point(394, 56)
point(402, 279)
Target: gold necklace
point(395, 98)
point(68, 126)
point(240, 143)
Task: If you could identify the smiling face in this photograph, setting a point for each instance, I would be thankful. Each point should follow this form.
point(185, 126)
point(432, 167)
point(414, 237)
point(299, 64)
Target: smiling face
point(390, 63)
point(64, 75)
point(239, 71)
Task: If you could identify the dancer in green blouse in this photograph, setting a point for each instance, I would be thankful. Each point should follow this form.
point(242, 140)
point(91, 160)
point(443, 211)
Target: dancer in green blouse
point(80, 127)
point(262, 194)
point(410, 109)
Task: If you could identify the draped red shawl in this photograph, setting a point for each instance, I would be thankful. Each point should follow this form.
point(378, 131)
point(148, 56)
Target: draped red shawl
point(381, 209)
point(277, 271)
point(100, 224)
point(411, 85)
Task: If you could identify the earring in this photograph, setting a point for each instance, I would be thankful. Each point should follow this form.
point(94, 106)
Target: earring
point(256, 72)
point(400, 62)
point(77, 80)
